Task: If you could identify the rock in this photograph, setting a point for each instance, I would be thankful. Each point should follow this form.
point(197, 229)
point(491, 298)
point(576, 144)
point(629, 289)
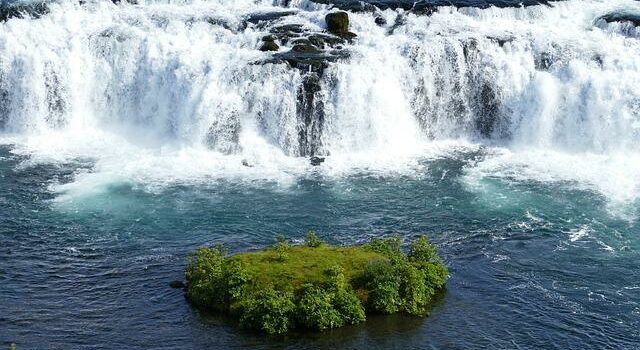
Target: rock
point(247, 164)
point(315, 161)
point(308, 61)
point(176, 284)
point(269, 46)
point(323, 40)
point(634, 19)
point(304, 48)
point(268, 16)
point(380, 21)
point(310, 115)
point(19, 10)
point(337, 22)
point(422, 7)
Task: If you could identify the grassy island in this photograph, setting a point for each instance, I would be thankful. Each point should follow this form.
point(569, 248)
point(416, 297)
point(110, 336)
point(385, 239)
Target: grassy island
point(315, 286)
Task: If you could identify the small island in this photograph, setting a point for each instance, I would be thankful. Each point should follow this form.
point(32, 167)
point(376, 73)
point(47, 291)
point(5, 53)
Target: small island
point(315, 286)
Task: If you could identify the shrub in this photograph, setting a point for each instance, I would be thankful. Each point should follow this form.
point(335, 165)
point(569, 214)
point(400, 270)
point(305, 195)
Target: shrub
point(389, 247)
point(205, 274)
point(267, 310)
point(414, 291)
point(315, 309)
point(383, 285)
point(315, 288)
point(282, 248)
point(335, 278)
point(424, 257)
point(349, 307)
point(312, 240)
point(237, 279)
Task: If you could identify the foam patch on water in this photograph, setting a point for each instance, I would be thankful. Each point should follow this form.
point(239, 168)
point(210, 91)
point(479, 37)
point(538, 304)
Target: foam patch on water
point(615, 176)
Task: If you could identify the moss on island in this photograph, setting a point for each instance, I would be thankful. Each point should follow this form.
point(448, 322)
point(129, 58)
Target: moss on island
point(315, 286)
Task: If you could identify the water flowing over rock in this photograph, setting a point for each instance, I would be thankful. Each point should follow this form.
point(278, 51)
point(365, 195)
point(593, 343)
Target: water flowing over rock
point(295, 77)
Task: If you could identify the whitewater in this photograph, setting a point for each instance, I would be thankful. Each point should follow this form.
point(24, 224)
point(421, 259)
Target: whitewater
point(161, 93)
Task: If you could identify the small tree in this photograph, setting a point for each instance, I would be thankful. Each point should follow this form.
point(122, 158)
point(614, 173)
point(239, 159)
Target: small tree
point(312, 240)
point(282, 248)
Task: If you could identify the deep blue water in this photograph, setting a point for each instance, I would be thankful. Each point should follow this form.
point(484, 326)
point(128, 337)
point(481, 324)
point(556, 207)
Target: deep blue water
point(94, 274)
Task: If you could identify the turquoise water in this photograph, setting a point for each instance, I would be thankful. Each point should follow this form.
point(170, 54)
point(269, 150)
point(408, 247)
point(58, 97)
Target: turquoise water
point(533, 264)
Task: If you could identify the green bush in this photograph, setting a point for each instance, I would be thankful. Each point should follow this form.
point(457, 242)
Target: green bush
point(347, 303)
point(414, 291)
point(424, 257)
point(315, 286)
point(282, 248)
point(383, 286)
point(315, 309)
point(237, 280)
point(389, 247)
point(268, 310)
point(205, 277)
point(312, 240)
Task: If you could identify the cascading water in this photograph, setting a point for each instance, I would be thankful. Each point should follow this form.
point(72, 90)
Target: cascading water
point(188, 80)
point(131, 134)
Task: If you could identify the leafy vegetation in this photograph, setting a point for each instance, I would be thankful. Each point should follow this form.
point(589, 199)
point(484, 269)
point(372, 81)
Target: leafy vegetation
point(315, 285)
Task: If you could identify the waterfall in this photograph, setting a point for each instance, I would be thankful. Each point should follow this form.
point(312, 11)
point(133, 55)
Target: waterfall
point(165, 77)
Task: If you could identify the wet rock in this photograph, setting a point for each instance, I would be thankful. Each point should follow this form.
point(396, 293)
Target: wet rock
point(256, 18)
point(399, 21)
point(489, 109)
point(322, 40)
point(315, 161)
point(501, 40)
point(310, 114)
point(621, 17)
point(269, 45)
point(288, 29)
point(176, 284)
point(22, 10)
point(380, 21)
point(305, 48)
point(308, 61)
point(338, 24)
point(287, 32)
point(246, 163)
point(422, 7)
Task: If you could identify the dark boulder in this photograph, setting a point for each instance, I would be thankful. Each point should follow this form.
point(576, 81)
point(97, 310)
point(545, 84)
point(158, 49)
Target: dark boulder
point(269, 45)
point(323, 40)
point(621, 17)
point(315, 161)
point(337, 22)
point(256, 18)
point(380, 21)
point(308, 61)
point(304, 48)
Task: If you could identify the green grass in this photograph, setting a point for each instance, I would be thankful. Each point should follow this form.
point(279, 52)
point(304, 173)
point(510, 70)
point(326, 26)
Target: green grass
point(305, 264)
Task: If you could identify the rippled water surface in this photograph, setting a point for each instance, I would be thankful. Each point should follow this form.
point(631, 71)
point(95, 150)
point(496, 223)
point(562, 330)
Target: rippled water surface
point(533, 265)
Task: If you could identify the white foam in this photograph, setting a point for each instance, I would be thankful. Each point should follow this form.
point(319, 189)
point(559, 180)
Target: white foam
point(153, 94)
